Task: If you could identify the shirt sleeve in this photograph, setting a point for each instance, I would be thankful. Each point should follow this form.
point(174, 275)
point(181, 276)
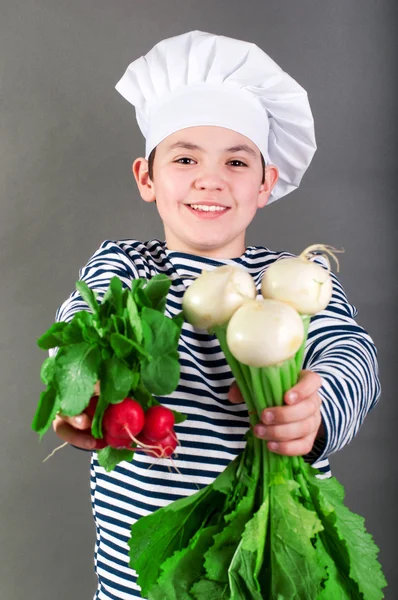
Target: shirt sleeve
point(345, 357)
point(107, 262)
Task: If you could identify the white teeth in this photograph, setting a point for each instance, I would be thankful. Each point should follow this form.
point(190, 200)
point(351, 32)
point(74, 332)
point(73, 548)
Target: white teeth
point(207, 208)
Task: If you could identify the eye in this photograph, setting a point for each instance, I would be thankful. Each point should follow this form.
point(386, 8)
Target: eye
point(240, 163)
point(184, 158)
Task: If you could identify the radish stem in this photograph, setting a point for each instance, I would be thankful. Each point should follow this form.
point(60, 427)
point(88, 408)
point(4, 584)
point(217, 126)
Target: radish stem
point(289, 377)
point(300, 354)
point(263, 387)
point(238, 372)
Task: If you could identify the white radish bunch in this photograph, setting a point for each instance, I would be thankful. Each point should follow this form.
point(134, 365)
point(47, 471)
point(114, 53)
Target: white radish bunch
point(280, 531)
point(269, 330)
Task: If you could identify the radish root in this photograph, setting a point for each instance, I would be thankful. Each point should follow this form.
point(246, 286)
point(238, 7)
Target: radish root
point(142, 446)
point(173, 435)
point(55, 450)
point(147, 447)
point(324, 250)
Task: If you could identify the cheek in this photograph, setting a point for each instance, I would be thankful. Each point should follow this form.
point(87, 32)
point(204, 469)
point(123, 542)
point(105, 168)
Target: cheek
point(247, 185)
point(174, 187)
point(169, 196)
point(247, 194)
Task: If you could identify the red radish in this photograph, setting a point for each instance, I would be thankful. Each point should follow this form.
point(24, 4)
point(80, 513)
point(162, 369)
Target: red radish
point(162, 448)
point(100, 444)
point(123, 420)
point(159, 421)
point(116, 442)
point(90, 410)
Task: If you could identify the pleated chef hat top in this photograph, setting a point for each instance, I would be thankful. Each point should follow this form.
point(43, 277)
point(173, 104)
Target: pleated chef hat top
point(200, 78)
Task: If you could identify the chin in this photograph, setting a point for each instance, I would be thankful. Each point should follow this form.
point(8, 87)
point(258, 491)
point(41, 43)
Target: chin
point(209, 243)
point(207, 248)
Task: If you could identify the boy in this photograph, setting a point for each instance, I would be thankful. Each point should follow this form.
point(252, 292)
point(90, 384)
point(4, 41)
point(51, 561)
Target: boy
point(227, 131)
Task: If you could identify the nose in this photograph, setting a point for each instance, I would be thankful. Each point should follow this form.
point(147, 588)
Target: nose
point(210, 180)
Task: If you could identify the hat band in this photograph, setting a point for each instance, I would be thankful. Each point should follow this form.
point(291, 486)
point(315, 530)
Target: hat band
point(203, 104)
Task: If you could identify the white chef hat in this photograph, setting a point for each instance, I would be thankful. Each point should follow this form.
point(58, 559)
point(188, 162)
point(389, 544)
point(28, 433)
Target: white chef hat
point(205, 79)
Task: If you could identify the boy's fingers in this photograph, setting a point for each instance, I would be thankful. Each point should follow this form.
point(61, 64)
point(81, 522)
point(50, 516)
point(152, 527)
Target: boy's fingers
point(79, 422)
point(291, 431)
point(234, 394)
point(69, 434)
point(308, 383)
point(293, 448)
point(280, 415)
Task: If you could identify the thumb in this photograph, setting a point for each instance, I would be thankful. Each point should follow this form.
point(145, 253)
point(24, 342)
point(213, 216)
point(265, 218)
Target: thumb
point(234, 394)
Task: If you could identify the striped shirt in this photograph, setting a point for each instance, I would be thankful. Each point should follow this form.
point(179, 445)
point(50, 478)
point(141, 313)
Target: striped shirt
point(337, 348)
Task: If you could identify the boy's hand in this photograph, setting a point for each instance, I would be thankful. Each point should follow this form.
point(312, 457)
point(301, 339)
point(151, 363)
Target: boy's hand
point(74, 429)
point(293, 427)
point(71, 430)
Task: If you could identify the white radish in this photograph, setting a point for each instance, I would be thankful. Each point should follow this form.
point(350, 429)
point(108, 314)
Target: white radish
point(262, 333)
point(305, 285)
point(215, 295)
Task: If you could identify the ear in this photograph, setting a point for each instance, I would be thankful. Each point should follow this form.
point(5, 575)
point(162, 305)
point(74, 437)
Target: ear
point(145, 185)
point(270, 179)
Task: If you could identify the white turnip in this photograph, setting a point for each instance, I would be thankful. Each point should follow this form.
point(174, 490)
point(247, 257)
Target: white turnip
point(214, 296)
point(264, 332)
point(305, 285)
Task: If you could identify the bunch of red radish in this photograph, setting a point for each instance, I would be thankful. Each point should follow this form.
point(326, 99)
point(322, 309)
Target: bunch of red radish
point(126, 425)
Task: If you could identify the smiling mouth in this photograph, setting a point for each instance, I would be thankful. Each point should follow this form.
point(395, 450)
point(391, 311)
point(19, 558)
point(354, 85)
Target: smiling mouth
point(208, 207)
point(203, 211)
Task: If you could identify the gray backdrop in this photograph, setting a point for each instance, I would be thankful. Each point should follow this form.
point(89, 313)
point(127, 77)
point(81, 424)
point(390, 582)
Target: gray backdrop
point(67, 141)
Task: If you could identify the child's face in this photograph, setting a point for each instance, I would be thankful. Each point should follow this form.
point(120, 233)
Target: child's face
point(206, 165)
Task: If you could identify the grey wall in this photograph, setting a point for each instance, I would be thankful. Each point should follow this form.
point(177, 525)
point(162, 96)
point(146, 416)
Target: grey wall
point(67, 141)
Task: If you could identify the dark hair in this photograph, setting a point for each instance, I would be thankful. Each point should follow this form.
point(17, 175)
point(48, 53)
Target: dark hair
point(151, 159)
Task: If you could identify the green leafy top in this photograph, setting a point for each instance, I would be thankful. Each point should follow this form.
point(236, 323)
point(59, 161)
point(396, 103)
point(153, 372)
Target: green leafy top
point(126, 342)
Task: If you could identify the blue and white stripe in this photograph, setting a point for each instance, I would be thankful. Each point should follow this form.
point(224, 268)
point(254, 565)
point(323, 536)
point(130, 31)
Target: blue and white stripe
point(338, 349)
